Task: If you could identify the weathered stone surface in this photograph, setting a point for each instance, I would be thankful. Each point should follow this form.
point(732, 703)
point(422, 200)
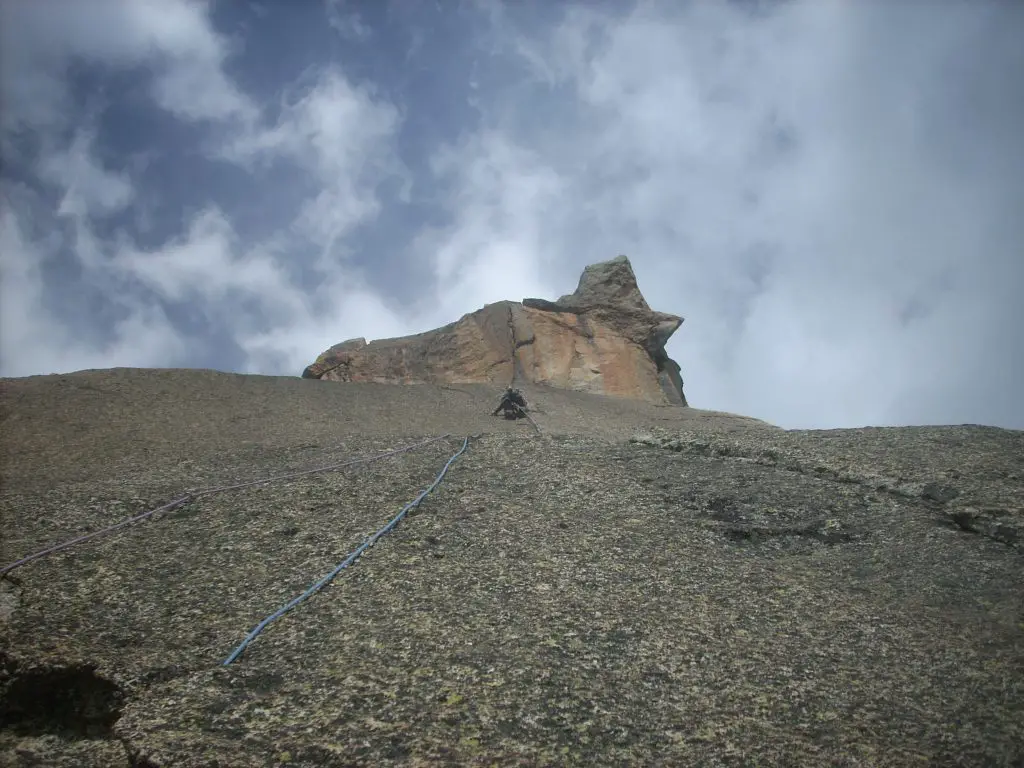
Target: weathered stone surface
point(715, 591)
point(608, 283)
point(603, 338)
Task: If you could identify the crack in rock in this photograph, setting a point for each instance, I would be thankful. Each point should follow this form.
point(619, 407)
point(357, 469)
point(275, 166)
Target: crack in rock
point(986, 522)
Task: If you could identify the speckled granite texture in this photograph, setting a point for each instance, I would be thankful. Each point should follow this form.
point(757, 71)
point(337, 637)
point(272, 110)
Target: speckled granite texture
point(635, 585)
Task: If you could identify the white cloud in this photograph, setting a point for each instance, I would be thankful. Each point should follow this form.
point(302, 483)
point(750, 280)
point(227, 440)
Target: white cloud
point(819, 136)
point(337, 134)
point(287, 348)
point(496, 246)
point(34, 342)
point(343, 137)
point(171, 37)
point(210, 269)
point(20, 297)
point(87, 187)
point(346, 22)
point(828, 192)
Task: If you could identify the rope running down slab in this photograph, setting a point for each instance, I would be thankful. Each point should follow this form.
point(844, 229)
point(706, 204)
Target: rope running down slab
point(345, 563)
point(193, 495)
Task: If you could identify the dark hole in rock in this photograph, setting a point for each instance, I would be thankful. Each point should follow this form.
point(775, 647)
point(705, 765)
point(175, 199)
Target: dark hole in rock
point(1006, 534)
point(721, 505)
point(741, 535)
point(162, 674)
point(964, 521)
point(831, 537)
point(266, 682)
point(138, 760)
point(73, 702)
point(828, 537)
point(939, 493)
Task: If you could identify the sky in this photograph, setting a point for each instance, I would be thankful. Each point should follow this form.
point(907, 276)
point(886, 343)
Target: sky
point(830, 192)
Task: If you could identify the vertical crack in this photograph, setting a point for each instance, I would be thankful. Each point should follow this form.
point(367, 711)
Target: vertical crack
point(515, 347)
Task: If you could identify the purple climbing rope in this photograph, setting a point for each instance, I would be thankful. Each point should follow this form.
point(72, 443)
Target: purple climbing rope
point(193, 495)
point(64, 545)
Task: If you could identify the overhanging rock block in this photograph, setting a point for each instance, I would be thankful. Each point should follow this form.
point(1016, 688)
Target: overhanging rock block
point(603, 338)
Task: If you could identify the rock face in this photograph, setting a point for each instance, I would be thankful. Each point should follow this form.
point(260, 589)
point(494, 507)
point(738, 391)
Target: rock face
point(603, 338)
point(632, 585)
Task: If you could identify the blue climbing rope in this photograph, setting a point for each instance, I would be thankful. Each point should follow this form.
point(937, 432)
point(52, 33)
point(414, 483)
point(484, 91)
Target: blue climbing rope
point(346, 562)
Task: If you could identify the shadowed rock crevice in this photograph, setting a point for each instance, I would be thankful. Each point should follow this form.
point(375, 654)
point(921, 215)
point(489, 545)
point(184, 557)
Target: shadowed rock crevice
point(828, 532)
point(1000, 522)
point(72, 701)
point(516, 343)
point(748, 523)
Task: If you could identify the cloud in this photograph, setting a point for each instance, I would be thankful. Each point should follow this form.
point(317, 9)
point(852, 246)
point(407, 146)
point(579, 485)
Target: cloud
point(331, 130)
point(495, 247)
point(803, 184)
point(88, 188)
point(170, 38)
point(272, 319)
point(340, 135)
point(220, 283)
point(34, 342)
point(346, 22)
point(828, 192)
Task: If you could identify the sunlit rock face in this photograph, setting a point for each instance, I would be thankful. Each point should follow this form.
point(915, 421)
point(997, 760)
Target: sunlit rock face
point(602, 338)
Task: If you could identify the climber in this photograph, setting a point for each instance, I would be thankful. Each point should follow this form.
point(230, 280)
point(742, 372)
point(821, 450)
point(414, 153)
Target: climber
point(513, 403)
